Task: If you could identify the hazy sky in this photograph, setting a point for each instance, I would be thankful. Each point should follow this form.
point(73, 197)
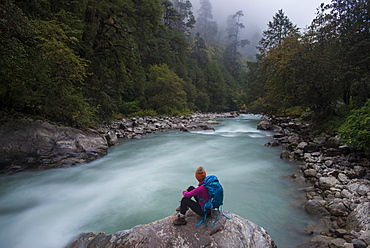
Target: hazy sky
point(260, 12)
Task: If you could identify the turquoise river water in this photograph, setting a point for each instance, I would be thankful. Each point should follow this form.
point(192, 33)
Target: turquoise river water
point(140, 181)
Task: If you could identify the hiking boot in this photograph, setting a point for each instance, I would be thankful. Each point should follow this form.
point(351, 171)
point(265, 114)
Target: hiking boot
point(179, 221)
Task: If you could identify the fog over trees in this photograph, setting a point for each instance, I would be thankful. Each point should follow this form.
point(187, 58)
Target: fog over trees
point(82, 62)
point(256, 16)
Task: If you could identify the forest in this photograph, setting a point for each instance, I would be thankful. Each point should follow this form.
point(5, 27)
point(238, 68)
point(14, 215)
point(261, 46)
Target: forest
point(79, 62)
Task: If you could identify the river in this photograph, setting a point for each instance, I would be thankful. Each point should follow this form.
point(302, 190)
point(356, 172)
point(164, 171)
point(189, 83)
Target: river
point(140, 181)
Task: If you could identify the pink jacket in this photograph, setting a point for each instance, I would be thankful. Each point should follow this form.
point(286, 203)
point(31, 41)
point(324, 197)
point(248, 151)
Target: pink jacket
point(200, 191)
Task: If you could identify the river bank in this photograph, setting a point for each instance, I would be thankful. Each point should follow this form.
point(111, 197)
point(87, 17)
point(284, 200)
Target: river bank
point(138, 127)
point(339, 194)
point(140, 182)
point(28, 143)
point(339, 175)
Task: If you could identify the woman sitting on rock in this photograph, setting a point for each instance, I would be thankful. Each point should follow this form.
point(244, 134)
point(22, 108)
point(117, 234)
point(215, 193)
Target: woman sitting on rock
point(198, 193)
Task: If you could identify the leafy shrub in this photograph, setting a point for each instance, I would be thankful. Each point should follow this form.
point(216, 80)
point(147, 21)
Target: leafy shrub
point(165, 90)
point(128, 108)
point(148, 112)
point(356, 129)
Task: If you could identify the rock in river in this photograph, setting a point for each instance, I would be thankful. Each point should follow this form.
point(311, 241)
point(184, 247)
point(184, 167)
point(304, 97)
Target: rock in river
point(233, 232)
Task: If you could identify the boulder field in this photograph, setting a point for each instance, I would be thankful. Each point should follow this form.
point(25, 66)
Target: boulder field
point(339, 175)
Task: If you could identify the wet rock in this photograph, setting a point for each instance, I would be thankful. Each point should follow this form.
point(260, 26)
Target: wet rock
point(272, 144)
point(313, 244)
point(359, 171)
point(340, 177)
point(323, 239)
point(338, 242)
point(340, 232)
point(310, 173)
point(344, 149)
point(316, 208)
point(358, 243)
point(365, 236)
point(337, 209)
point(199, 126)
point(343, 178)
point(286, 155)
point(236, 232)
point(278, 135)
point(359, 218)
point(311, 147)
point(28, 144)
point(319, 140)
point(111, 138)
point(328, 182)
point(298, 178)
point(332, 142)
point(331, 152)
point(212, 122)
point(302, 145)
point(264, 125)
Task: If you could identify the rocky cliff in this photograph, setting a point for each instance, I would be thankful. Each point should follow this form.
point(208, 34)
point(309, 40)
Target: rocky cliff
point(26, 143)
point(233, 232)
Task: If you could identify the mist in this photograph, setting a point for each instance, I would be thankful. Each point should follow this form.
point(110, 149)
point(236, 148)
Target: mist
point(257, 14)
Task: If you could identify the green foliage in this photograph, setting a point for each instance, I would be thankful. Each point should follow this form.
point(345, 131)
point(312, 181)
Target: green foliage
point(320, 69)
point(296, 110)
point(262, 106)
point(165, 90)
point(203, 101)
point(42, 74)
point(356, 129)
point(216, 87)
point(128, 108)
point(144, 113)
point(78, 62)
point(279, 68)
point(280, 28)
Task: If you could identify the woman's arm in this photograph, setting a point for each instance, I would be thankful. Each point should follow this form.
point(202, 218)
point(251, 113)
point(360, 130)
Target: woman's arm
point(195, 192)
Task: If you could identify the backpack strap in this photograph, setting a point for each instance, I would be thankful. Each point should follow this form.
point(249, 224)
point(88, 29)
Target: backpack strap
point(202, 220)
point(220, 210)
point(206, 207)
point(214, 222)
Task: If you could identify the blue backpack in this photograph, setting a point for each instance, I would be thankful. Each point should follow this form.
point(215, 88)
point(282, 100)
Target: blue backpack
point(216, 197)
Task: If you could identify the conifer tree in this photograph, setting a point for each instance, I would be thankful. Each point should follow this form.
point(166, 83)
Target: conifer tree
point(231, 53)
point(278, 29)
point(205, 26)
point(186, 19)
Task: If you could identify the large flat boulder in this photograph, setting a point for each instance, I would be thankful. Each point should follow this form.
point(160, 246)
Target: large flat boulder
point(233, 232)
point(29, 144)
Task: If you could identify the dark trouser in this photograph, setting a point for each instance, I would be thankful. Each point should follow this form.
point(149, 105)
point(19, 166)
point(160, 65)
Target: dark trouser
point(187, 202)
point(194, 205)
